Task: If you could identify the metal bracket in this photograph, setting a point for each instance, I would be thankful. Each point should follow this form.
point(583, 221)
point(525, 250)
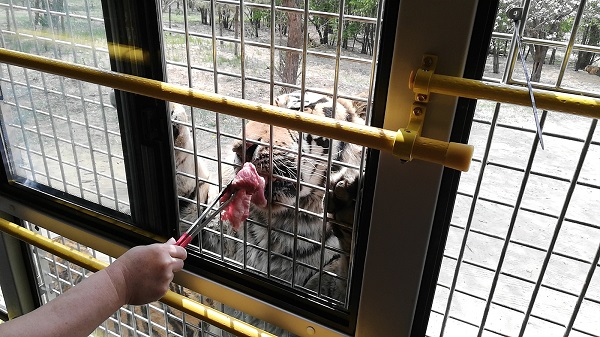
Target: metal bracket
point(405, 138)
point(515, 13)
point(421, 87)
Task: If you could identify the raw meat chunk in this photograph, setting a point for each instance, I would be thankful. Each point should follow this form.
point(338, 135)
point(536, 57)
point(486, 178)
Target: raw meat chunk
point(247, 186)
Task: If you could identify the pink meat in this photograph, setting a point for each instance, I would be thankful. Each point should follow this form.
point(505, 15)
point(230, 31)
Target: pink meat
point(248, 187)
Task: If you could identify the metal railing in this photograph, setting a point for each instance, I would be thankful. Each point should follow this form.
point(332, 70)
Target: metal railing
point(452, 155)
point(186, 305)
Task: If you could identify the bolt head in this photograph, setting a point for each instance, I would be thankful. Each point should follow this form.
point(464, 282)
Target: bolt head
point(417, 111)
point(427, 61)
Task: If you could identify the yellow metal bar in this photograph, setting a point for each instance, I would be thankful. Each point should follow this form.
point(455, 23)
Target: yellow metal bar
point(425, 81)
point(372, 137)
point(177, 301)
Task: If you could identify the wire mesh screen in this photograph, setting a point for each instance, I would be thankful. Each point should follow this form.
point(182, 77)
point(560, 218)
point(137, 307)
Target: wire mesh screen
point(314, 57)
point(56, 275)
point(60, 132)
point(522, 253)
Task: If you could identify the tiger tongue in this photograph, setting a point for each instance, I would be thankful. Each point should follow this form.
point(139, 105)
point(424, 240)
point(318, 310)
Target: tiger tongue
point(247, 186)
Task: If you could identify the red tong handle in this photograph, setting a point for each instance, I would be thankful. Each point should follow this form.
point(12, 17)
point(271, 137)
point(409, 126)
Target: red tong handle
point(184, 240)
point(187, 237)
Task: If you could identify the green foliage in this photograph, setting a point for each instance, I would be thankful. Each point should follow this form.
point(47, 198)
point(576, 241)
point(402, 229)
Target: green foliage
point(546, 18)
point(591, 14)
point(352, 29)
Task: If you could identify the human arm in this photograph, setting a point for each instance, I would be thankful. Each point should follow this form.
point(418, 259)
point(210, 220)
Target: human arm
point(139, 276)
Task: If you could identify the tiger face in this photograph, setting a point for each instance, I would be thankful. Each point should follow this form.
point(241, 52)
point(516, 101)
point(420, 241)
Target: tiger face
point(299, 160)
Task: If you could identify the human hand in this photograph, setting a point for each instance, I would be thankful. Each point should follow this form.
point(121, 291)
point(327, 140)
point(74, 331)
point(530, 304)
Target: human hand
point(143, 273)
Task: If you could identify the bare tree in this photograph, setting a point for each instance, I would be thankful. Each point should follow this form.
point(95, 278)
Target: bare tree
point(589, 32)
point(236, 28)
point(545, 21)
point(290, 60)
point(503, 24)
point(204, 10)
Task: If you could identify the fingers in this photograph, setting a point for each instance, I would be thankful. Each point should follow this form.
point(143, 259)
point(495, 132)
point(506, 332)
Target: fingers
point(176, 252)
point(177, 265)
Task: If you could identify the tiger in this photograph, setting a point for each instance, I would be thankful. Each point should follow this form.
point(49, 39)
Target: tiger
point(291, 234)
point(592, 70)
point(187, 166)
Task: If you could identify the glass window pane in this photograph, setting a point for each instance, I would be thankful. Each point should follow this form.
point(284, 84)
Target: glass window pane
point(60, 132)
point(258, 50)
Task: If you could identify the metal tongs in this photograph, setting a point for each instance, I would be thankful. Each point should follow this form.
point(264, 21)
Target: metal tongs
point(204, 218)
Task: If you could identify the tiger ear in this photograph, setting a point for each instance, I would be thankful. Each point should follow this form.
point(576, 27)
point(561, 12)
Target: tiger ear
point(244, 154)
point(239, 152)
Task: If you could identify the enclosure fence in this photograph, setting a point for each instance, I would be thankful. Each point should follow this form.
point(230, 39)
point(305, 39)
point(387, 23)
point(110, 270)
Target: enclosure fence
point(523, 247)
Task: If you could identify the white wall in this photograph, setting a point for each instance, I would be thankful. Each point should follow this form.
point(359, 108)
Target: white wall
point(405, 195)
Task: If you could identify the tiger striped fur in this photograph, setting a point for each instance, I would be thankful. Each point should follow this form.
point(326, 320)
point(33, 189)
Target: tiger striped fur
point(287, 245)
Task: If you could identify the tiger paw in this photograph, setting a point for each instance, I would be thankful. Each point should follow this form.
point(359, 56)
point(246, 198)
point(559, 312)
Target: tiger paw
point(342, 199)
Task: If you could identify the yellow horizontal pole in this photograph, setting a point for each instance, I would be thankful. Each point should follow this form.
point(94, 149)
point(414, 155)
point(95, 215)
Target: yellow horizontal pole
point(424, 81)
point(456, 156)
point(177, 301)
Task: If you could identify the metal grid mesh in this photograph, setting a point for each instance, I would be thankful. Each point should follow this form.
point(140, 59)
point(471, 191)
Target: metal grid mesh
point(56, 275)
point(64, 133)
point(251, 52)
point(524, 242)
point(61, 133)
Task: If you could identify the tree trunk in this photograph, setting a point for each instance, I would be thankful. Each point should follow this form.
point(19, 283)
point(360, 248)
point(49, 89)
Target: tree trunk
point(8, 19)
point(591, 36)
point(204, 15)
point(318, 28)
point(345, 37)
point(539, 56)
point(256, 27)
point(39, 18)
point(325, 37)
point(291, 60)
point(170, 25)
point(363, 49)
point(221, 24)
point(496, 58)
point(236, 24)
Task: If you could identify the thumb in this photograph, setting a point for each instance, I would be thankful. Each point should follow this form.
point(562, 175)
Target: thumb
point(171, 241)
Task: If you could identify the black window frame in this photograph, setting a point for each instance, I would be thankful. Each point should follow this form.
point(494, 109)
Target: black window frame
point(483, 26)
point(144, 124)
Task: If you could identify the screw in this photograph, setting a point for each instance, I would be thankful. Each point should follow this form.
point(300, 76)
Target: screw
point(421, 97)
point(310, 330)
point(427, 61)
point(417, 111)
